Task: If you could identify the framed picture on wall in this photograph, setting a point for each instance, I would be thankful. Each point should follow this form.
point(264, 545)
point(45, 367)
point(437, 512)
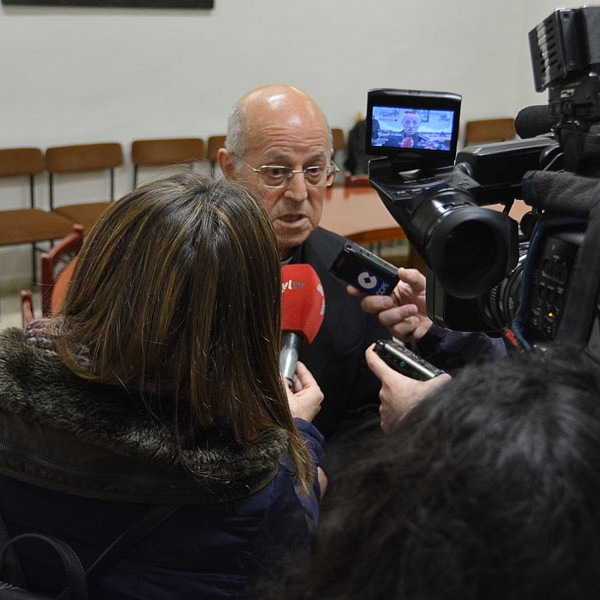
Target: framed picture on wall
point(122, 3)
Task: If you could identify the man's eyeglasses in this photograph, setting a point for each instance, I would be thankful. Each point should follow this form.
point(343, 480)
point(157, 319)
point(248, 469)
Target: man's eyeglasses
point(275, 176)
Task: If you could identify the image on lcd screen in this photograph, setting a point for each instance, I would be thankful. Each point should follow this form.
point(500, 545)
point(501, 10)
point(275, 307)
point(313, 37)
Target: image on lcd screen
point(406, 127)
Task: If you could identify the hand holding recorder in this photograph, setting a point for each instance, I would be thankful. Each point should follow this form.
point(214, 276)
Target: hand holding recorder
point(399, 393)
point(403, 312)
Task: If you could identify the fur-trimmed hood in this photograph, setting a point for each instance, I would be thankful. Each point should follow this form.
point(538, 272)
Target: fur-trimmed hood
point(101, 441)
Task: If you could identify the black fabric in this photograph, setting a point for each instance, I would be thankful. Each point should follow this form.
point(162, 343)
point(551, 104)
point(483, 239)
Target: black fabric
point(76, 576)
point(562, 193)
point(357, 160)
point(76, 588)
point(336, 357)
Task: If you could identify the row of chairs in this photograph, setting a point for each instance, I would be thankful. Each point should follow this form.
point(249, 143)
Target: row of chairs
point(34, 225)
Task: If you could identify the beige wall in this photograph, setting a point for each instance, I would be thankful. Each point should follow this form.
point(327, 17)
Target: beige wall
point(75, 75)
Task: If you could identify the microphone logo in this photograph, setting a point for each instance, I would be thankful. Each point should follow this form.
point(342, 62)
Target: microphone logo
point(291, 284)
point(370, 283)
point(296, 284)
point(367, 281)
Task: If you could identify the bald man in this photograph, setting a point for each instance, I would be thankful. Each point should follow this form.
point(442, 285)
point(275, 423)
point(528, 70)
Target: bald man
point(279, 146)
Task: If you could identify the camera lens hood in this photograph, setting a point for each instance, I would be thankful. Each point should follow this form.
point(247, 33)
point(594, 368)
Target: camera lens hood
point(471, 249)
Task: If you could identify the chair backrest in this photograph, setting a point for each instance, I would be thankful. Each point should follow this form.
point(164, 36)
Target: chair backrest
point(214, 143)
point(165, 152)
point(84, 157)
point(61, 285)
point(483, 131)
point(81, 158)
point(21, 161)
point(17, 162)
point(26, 306)
point(55, 264)
point(339, 139)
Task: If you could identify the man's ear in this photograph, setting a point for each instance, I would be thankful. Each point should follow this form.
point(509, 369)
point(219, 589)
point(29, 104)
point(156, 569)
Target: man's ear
point(225, 160)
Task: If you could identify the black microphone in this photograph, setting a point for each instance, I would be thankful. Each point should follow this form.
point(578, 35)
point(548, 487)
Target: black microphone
point(532, 121)
point(564, 193)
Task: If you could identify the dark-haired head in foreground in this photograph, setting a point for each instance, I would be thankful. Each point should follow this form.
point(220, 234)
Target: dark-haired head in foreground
point(489, 490)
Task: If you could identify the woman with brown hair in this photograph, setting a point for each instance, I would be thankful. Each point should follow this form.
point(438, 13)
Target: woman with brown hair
point(158, 383)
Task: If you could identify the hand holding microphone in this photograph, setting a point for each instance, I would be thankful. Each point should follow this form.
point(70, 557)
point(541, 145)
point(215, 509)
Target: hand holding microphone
point(305, 397)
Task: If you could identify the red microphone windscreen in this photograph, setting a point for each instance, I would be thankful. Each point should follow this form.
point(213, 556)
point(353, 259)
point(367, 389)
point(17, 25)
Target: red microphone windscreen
point(302, 301)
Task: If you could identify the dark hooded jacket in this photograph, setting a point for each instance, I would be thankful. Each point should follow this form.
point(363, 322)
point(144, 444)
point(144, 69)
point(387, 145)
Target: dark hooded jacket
point(83, 461)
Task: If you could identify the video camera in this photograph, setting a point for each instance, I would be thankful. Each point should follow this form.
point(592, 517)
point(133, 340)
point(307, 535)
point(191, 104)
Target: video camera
point(485, 273)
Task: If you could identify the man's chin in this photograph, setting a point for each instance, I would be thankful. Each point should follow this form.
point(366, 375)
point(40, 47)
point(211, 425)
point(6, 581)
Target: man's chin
point(288, 240)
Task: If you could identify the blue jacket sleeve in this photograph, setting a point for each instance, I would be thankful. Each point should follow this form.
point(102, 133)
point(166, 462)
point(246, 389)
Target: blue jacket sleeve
point(314, 442)
point(452, 350)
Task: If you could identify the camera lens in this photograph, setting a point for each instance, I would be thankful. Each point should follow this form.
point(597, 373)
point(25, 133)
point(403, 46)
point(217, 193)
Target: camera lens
point(471, 249)
point(499, 306)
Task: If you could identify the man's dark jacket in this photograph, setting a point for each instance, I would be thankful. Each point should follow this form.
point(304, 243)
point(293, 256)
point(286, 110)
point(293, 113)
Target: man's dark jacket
point(336, 357)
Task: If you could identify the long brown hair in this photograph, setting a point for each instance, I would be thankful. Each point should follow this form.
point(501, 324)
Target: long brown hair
point(177, 294)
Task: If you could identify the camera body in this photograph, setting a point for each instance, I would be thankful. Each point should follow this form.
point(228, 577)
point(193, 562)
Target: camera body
point(434, 201)
point(484, 272)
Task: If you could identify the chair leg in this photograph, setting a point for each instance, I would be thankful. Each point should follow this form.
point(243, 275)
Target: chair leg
point(34, 263)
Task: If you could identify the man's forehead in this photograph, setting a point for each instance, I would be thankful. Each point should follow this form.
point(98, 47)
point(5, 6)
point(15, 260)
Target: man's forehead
point(285, 157)
point(288, 138)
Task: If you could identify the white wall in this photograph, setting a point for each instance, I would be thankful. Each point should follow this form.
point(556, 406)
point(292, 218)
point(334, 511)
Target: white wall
point(77, 75)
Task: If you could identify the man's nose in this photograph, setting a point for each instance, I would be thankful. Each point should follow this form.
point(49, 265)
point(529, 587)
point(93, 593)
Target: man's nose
point(297, 189)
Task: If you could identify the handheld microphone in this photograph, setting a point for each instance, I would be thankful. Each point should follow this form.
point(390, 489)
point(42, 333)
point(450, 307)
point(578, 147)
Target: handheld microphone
point(532, 121)
point(302, 312)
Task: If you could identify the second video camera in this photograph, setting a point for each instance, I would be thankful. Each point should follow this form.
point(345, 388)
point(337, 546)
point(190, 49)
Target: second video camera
point(484, 272)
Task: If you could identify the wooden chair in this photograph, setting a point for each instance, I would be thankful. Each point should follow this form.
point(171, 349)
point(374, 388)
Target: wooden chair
point(339, 140)
point(214, 143)
point(165, 152)
point(486, 131)
point(391, 244)
point(85, 159)
point(57, 267)
point(27, 306)
point(28, 225)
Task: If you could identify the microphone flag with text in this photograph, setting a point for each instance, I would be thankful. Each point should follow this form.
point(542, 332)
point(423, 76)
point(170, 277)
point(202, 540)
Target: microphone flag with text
point(302, 312)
